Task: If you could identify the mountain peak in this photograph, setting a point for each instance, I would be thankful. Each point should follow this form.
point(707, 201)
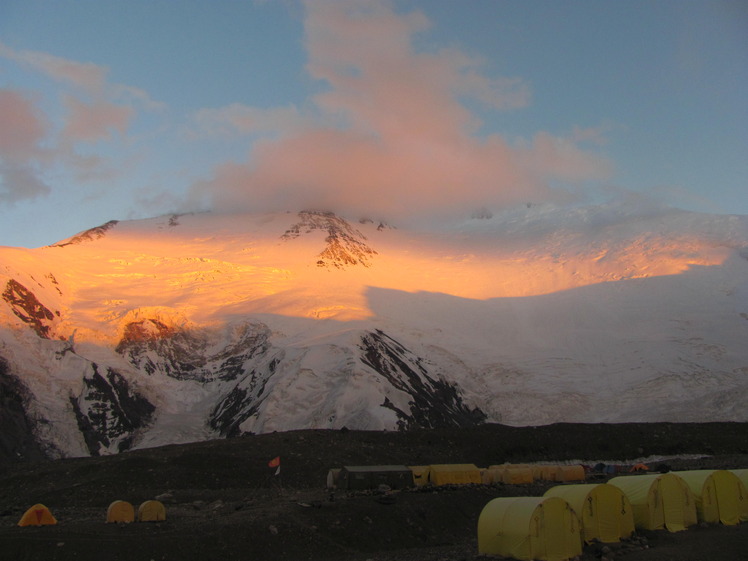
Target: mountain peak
point(345, 245)
point(150, 334)
point(88, 235)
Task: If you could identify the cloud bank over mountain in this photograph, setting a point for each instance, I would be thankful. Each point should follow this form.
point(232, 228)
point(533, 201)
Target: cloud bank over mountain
point(384, 108)
point(392, 132)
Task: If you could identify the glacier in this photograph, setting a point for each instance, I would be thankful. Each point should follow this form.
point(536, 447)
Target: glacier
point(189, 327)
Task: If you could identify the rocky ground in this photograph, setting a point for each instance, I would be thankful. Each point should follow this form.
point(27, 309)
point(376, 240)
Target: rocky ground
point(223, 501)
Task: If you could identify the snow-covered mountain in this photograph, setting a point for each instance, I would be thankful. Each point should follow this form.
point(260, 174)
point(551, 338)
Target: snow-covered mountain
point(190, 327)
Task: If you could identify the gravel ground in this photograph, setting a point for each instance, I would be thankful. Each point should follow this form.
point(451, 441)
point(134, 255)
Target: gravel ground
point(223, 502)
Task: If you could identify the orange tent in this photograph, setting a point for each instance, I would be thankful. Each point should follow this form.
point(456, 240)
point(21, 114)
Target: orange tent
point(151, 511)
point(37, 515)
point(120, 511)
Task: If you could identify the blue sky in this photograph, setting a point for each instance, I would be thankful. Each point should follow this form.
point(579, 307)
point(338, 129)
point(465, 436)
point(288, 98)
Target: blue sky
point(118, 110)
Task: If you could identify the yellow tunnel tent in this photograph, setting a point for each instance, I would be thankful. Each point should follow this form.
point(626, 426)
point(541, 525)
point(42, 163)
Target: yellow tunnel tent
point(37, 515)
point(509, 466)
point(544, 528)
point(513, 474)
point(491, 475)
point(720, 495)
point(605, 514)
point(660, 501)
point(570, 473)
point(151, 511)
point(742, 475)
point(548, 472)
point(120, 511)
point(517, 475)
point(454, 474)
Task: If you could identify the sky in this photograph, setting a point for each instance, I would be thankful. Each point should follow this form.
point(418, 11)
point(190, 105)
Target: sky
point(402, 110)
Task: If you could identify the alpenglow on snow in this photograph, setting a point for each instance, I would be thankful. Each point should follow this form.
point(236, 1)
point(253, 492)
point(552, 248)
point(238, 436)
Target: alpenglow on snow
point(190, 327)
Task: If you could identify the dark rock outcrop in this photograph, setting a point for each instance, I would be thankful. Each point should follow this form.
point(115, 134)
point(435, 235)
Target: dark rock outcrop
point(88, 235)
point(434, 403)
point(109, 411)
point(184, 354)
point(28, 308)
point(17, 439)
point(345, 246)
point(242, 401)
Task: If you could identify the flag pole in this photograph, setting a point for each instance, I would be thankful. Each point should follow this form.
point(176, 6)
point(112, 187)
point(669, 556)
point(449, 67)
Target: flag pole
point(276, 463)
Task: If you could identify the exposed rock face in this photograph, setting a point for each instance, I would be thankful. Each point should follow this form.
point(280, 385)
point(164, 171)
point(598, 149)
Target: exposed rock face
point(89, 235)
point(183, 328)
point(187, 354)
point(419, 398)
point(109, 412)
point(27, 307)
point(243, 401)
point(346, 246)
point(17, 440)
point(155, 347)
point(434, 403)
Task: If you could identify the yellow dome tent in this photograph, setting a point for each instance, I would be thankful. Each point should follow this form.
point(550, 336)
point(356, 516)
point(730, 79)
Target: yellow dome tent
point(37, 515)
point(659, 500)
point(120, 511)
point(605, 514)
point(151, 511)
point(544, 528)
point(720, 495)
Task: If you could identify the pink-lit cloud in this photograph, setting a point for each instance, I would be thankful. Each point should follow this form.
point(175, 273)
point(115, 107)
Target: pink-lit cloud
point(22, 130)
point(93, 111)
point(83, 75)
point(90, 122)
point(22, 127)
point(391, 135)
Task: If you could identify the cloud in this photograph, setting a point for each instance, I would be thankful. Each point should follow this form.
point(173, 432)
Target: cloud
point(83, 75)
point(22, 130)
point(22, 127)
point(91, 122)
point(92, 111)
point(391, 135)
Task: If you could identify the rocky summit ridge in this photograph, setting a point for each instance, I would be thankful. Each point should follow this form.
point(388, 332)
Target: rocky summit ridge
point(191, 327)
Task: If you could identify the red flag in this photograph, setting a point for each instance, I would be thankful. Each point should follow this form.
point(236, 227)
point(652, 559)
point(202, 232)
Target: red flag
point(275, 462)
